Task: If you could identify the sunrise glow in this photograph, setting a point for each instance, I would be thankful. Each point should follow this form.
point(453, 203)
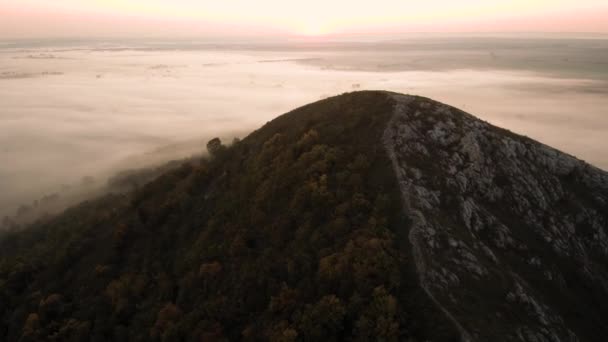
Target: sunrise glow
point(310, 18)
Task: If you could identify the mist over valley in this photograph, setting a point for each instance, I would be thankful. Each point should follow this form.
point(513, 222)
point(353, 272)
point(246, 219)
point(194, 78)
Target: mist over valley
point(76, 109)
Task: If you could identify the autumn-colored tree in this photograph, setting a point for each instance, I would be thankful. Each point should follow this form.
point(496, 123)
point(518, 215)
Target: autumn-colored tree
point(165, 319)
point(31, 326)
point(323, 320)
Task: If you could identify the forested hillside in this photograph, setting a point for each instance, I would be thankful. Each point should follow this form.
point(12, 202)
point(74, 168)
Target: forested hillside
point(290, 234)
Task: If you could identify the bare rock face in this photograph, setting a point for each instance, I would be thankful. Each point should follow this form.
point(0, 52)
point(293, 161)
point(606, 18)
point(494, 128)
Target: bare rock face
point(509, 235)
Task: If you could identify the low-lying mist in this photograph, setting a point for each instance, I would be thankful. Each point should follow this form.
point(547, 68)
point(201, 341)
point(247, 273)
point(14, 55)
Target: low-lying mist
point(73, 115)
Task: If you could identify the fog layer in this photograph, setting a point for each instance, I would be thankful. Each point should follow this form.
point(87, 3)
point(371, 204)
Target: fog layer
point(70, 110)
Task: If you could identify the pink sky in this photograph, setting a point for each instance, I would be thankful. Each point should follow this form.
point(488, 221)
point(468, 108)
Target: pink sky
point(188, 18)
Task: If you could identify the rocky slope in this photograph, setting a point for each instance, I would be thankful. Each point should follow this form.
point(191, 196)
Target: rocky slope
point(509, 235)
point(366, 216)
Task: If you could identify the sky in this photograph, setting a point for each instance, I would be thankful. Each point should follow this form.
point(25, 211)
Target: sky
point(192, 18)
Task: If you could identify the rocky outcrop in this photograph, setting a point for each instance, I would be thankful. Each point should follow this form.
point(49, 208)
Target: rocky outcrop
point(509, 235)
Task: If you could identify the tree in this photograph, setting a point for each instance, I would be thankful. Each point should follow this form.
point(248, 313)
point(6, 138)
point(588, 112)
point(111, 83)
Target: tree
point(165, 319)
point(322, 320)
point(32, 324)
point(214, 146)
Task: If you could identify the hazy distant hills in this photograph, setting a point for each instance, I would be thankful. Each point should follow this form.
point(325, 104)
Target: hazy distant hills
point(366, 216)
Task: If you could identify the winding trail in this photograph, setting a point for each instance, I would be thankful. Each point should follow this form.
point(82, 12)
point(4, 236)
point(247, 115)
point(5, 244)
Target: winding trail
point(418, 220)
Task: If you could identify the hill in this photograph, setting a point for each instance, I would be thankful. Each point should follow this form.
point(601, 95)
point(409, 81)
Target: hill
point(366, 216)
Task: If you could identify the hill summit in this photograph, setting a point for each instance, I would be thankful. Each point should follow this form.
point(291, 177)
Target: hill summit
point(366, 216)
